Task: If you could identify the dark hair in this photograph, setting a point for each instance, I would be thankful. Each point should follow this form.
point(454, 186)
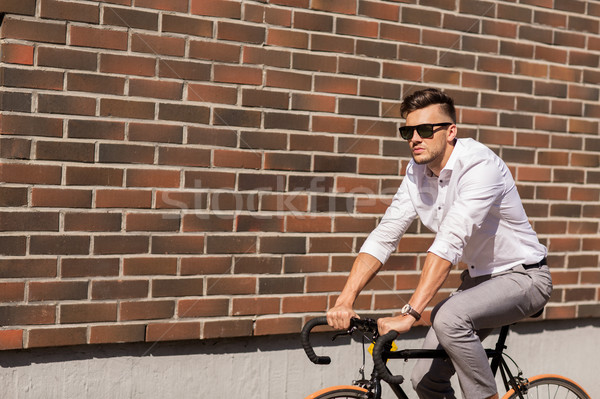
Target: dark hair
point(424, 98)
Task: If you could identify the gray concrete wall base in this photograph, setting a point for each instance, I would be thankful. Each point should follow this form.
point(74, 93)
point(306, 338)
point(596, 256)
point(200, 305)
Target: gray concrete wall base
point(264, 367)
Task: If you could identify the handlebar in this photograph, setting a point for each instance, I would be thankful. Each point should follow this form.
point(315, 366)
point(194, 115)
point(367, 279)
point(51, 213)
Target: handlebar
point(304, 338)
point(382, 345)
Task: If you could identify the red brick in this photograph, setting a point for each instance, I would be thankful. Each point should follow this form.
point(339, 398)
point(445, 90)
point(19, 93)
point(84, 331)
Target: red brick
point(72, 105)
point(35, 79)
point(287, 161)
point(211, 93)
point(13, 245)
point(240, 32)
point(180, 200)
point(62, 151)
point(120, 244)
point(57, 290)
point(127, 64)
point(155, 133)
point(265, 99)
point(206, 265)
point(313, 62)
point(155, 89)
point(110, 334)
point(287, 38)
point(127, 108)
point(27, 314)
point(227, 328)
point(266, 56)
point(278, 325)
point(237, 74)
point(88, 313)
point(146, 310)
point(255, 306)
point(12, 292)
point(25, 7)
point(185, 25)
point(59, 245)
point(237, 159)
point(146, 266)
point(157, 45)
point(341, 6)
point(174, 244)
point(11, 339)
point(202, 307)
point(85, 36)
point(92, 221)
point(35, 31)
point(28, 268)
point(209, 179)
point(89, 267)
point(13, 53)
point(230, 285)
point(183, 113)
point(123, 198)
point(157, 332)
point(28, 221)
point(152, 222)
point(31, 125)
point(173, 5)
point(166, 287)
point(131, 18)
point(52, 9)
point(119, 289)
point(183, 70)
point(254, 223)
point(216, 8)
point(47, 337)
point(95, 129)
point(151, 178)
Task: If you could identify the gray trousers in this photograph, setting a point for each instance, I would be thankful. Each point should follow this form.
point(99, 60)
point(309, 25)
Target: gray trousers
point(460, 322)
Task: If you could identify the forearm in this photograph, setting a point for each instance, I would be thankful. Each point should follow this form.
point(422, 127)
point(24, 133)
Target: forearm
point(434, 274)
point(365, 267)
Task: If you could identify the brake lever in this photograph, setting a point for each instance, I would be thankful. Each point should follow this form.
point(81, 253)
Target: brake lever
point(350, 331)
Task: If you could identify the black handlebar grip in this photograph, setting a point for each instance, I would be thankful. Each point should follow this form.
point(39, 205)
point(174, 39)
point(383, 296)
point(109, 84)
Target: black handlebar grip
point(304, 337)
point(382, 370)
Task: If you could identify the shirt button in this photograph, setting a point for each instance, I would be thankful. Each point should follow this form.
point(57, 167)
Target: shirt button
point(472, 267)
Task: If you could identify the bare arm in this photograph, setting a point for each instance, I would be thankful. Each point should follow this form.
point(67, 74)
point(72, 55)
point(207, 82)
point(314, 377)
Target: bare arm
point(435, 271)
point(365, 267)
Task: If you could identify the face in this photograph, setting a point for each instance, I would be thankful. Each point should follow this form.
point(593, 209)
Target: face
point(435, 150)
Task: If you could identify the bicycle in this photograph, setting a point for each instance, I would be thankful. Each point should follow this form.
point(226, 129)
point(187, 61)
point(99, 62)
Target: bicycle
point(517, 386)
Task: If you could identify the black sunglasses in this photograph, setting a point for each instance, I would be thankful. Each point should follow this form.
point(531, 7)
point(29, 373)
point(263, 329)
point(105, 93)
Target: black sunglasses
point(425, 130)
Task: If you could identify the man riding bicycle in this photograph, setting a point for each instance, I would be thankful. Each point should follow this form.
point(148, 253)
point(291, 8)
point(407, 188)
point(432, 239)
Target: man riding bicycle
point(464, 192)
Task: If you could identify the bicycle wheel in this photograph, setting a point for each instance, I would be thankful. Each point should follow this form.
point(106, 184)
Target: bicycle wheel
point(340, 392)
point(550, 386)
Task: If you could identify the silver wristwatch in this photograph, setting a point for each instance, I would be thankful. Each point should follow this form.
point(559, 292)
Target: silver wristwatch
point(408, 310)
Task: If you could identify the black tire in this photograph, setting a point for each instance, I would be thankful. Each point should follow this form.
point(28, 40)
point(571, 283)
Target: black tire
point(340, 392)
point(550, 386)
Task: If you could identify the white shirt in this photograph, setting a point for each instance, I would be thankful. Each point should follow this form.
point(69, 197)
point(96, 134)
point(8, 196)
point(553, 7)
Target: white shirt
point(474, 208)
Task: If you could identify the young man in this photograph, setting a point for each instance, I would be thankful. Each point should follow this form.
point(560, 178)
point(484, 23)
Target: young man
point(465, 193)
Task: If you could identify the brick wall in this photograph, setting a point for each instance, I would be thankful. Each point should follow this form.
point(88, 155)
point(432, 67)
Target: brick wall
point(177, 169)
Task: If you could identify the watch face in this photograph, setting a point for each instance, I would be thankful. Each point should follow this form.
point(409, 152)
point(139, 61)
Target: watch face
point(406, 308)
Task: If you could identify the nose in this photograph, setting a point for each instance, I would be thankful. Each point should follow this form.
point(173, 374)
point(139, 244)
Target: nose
point(415, 137)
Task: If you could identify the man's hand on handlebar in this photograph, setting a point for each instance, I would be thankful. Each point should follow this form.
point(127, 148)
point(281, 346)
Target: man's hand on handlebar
point(401, 324)
point(339, 317)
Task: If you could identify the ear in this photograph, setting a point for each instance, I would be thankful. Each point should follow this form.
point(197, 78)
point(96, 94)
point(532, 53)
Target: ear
point(452, 132)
